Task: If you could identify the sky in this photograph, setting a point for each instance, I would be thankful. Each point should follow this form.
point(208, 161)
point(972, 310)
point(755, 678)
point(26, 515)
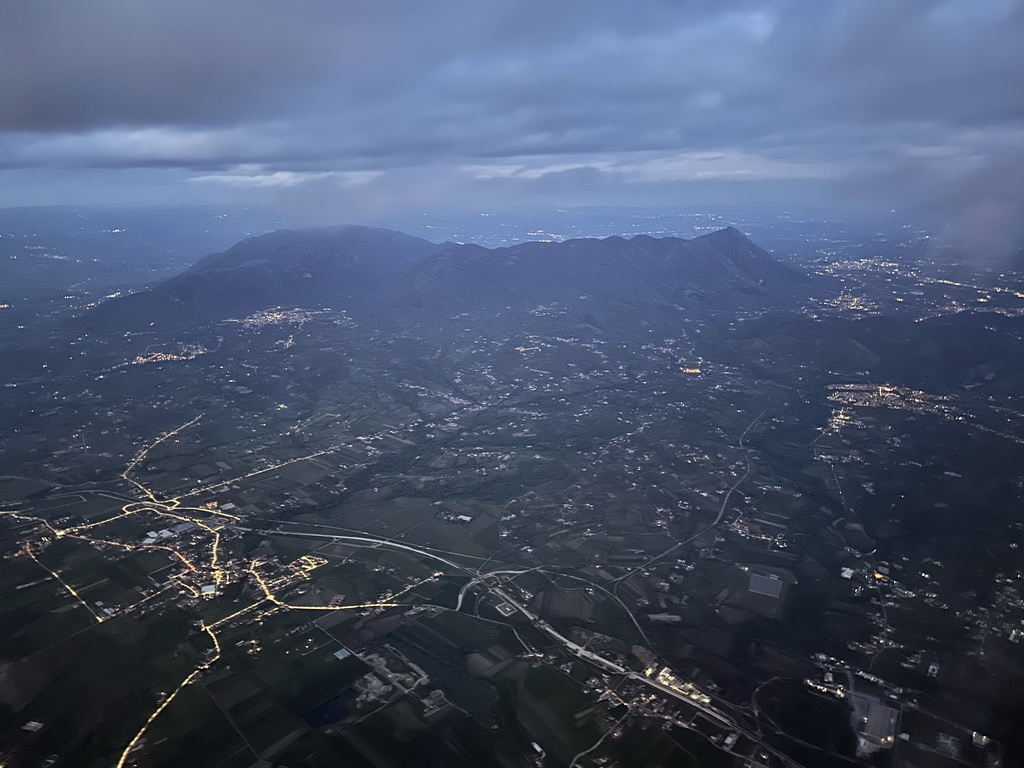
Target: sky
point(359, 109)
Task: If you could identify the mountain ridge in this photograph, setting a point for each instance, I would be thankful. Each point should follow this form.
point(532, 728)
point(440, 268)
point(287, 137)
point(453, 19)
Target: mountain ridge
point(371, 270)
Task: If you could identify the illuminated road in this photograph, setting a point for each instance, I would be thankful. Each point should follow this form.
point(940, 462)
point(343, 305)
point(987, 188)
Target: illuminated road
point(211, 567)
point(203, 563)
point(171, 697)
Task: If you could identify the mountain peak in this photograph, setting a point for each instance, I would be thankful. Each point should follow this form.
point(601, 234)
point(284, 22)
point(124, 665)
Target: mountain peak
point(729, 233)
point(345, 244)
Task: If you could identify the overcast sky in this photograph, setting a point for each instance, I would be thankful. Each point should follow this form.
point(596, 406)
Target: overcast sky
point(378, 106)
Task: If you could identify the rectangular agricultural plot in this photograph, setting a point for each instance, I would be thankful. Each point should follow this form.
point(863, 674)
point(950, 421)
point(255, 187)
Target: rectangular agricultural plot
point(16, 488)
point(291, 548)
point(392, 515)
point(232, 690)
point(271, 728)
point(194, 725)
point(43, 630)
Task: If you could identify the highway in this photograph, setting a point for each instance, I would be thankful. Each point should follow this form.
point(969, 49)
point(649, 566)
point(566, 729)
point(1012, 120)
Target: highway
point(496, 581)
point(377, 542)
point(607, 665)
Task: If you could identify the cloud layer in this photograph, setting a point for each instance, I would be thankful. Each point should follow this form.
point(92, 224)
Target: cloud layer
point(453, 102)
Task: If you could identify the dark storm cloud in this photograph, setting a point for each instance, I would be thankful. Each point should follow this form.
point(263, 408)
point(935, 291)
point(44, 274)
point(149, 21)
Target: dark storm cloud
point(97, 63)
point(73, 66)
point(863, 98)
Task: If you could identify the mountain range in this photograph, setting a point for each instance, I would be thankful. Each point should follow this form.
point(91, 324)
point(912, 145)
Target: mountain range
point(368, 270)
